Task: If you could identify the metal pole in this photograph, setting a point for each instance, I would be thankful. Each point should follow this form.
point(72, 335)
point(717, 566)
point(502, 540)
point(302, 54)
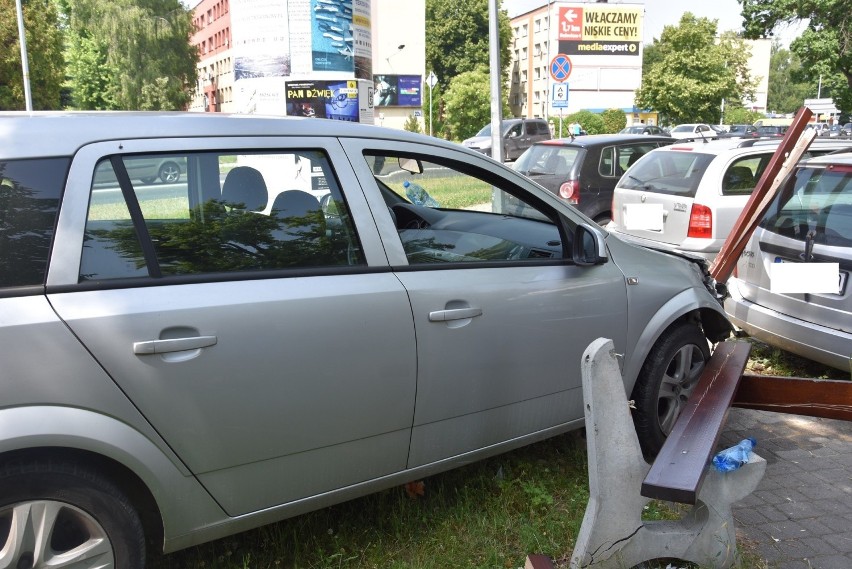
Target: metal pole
point(494, 64)
point(28, 98)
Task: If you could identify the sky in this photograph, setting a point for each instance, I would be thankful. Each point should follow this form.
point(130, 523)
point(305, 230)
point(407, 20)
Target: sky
point(660, 13)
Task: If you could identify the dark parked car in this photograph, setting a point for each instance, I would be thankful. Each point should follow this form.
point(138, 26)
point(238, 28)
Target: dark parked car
point(740, 131)
point(517, 135)
point(583, 171)
point(771, 131)
point(643, 129)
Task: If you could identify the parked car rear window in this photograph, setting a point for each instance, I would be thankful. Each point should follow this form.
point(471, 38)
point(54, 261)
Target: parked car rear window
point(30, 191)
point(818, 202)
point(668, 172)
point(547, 159)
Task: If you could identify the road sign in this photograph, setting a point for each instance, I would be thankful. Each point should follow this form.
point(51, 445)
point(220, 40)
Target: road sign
point(431, 79)
point(560, 67)
point(560, 95)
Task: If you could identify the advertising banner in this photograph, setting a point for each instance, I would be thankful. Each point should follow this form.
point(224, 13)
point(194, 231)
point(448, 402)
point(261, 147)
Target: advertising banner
point(600, 29)
point(397, 90)
point(336, 100)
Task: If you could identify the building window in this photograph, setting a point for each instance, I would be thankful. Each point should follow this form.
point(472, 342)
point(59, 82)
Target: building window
point(525, 31)
point(538, 25)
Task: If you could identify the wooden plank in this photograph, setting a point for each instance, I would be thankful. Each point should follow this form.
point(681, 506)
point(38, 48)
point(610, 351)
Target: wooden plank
point(538, 561)
point(791, 145)
point(681, 465)
point(831, 399)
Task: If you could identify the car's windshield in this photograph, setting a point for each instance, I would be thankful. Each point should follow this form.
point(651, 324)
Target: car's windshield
point(683, 128)
point(486, 131)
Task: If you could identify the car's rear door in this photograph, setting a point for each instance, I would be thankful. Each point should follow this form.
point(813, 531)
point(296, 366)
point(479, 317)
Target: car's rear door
point(502, 316)
point(271, 347)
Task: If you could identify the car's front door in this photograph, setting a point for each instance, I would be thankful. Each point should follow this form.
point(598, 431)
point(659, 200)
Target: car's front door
point(502, 316)
point(260, 333)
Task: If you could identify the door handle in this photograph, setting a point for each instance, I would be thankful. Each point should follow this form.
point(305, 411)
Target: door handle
point(173, 345)
point(454, 314)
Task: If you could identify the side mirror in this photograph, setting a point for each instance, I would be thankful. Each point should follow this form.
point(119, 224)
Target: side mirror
point(411, 165)
point(589, 247)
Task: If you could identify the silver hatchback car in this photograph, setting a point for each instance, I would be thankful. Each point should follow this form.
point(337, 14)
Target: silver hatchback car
point(808, 228)
point(288, 326)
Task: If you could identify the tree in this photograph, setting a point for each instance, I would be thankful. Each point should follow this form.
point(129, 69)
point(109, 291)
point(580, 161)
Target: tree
point(130, 54)
point(787, 90)
point(613, 120)
point(468, 104)
point(44, 54)
point(457, 43)
point(825, 47)
point(690, 71)
point(741, 115)
point(457, 38)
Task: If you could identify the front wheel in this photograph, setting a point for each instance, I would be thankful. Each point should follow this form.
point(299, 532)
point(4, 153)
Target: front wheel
point(666, 381)
point(61, 514)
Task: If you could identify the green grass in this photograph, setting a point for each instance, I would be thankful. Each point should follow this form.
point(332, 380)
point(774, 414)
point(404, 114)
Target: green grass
point(490, 514)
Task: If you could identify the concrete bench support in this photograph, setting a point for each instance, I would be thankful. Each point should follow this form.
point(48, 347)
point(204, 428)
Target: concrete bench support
point(613, 534)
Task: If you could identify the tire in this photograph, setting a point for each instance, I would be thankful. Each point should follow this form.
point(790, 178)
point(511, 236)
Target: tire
point(603, 219)
point(85, 515)
point(169, 172)
point(668, 377)
point(148, 181)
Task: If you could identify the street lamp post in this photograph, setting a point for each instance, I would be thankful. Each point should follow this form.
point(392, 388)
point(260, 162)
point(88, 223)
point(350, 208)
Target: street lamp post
point(431, 80)
point(28, 97)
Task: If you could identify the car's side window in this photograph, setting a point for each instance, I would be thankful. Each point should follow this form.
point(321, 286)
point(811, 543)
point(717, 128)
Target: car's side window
point(742, 175)
point(606, 167)
point(446, 213)
point(30, 191)
point(221, 213)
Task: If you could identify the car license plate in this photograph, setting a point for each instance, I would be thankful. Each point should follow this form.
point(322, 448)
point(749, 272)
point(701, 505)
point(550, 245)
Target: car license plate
point(807, 278)
point(647, 216)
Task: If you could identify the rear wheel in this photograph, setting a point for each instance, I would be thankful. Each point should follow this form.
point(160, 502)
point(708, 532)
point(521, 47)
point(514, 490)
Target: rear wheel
point(58, 514)
point(169, 172)
point(665, 383)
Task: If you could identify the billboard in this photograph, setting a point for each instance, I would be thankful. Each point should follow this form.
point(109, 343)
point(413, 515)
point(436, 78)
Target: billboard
point(600, 29)
point(397, 90)
point(336, 100)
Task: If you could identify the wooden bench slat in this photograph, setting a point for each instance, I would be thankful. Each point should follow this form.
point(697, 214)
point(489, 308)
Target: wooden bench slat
point(680, 467)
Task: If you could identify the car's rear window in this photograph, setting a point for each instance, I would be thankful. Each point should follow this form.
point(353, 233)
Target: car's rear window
point(30, 191)
point(668, 172)
point(817, 201)
point(547, 159)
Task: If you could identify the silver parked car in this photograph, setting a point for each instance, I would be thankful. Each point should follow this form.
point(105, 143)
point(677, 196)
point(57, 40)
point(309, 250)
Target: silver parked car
point(291, 325)
point(810, 224)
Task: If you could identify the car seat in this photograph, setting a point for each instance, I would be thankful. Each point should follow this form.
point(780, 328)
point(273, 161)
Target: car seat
point(244, 189)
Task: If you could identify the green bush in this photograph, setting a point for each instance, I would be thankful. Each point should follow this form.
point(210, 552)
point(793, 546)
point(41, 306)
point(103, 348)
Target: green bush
point(412, 124)
point(614, 120)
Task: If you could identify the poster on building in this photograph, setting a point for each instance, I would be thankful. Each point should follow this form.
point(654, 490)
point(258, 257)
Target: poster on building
point(362, 33)
point(336, 100)
point(332, 40)
point(260, 39)
point(599, 29)
point(397, 90)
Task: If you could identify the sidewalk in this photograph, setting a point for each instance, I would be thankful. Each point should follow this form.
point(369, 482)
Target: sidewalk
point(800, 516)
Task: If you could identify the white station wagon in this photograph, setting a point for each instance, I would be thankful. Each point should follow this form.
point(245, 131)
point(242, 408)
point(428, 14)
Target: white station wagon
point(280, 329)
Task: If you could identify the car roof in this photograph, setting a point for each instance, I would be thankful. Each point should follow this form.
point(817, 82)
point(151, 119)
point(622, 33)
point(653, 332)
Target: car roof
point(57, 133)
point(604, 140)
point(844, 158)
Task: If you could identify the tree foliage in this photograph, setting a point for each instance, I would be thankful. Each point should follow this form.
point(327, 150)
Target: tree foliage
point(614, 120)
point(130, 54)
point(741, 115)
point(825, 47)
point(468, 104)
point(688, 72)
point(787, 89)
point(457, 38)
point(457, 44)
point(44, 54)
